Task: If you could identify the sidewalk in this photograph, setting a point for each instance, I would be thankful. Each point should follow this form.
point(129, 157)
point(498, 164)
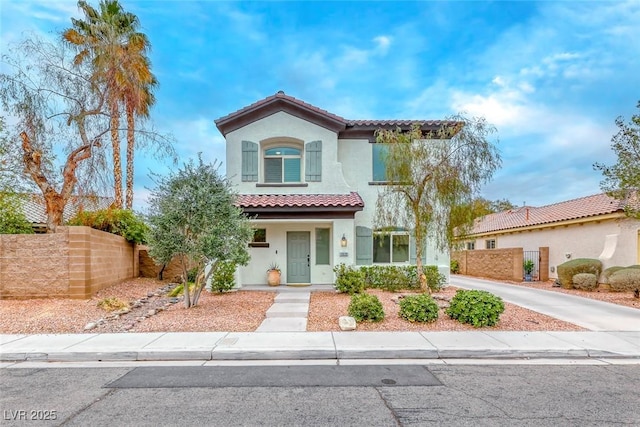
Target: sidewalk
point(176, 346)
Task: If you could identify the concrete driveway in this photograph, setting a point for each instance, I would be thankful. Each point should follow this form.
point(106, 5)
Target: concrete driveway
point(591, 314)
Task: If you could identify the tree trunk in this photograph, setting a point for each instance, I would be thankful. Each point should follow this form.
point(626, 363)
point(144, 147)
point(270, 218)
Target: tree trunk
point(424, 286)
point(115, 145)
point(130, 149)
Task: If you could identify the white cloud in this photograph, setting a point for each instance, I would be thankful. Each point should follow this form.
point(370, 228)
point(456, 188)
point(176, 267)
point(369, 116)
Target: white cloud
point(382, 44)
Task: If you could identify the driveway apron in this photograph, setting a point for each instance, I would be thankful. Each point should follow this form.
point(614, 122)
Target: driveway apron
point(590, 314)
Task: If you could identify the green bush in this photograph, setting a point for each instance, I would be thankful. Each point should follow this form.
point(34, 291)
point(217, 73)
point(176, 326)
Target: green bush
point(122, 222)
point(435, 280)
point(585, 281)
point(366, 307)
point(625, 280)
point(478, 308)
point(567, 270)
point(394, 278)
point(390, 277)
point(455, 266)
point(418, 308)
point(349, 279)
point(222, 277)
point(12, 217)
point(606, 274)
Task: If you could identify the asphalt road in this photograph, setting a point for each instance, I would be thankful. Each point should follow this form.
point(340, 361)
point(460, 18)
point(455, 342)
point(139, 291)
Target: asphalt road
point(442, 395)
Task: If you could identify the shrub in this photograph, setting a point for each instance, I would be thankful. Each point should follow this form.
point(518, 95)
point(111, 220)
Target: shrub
point(394, 278)
point(366, 307)
point(179, 290)
point(478, 308)
point(585, 281)
point(455, 266)
point(222, 278)
point(418, 308)
point(567, 270)
point(390, 278)
point(122, 222)
point(625, 280)
point(112, 304)
point(349, 279)
point(606, 274)
point(435, 280)
point(12, 217)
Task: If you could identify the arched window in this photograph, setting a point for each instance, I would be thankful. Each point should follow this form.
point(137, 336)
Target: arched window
point(282, 164)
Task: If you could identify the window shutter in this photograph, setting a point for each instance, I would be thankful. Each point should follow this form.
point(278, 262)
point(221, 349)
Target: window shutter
point(249, 161)
point(313, 161)
point(412, 252)
point(364, 246)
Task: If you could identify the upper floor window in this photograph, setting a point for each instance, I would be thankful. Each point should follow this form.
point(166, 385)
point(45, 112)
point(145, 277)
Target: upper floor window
point(282, 164)
point(379, 171)
point(390, 247)
point(490, 244)
point(471, 246)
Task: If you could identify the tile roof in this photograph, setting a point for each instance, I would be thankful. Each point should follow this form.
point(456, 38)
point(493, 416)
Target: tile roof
point(598, 204)
point(284, 102)
point(280, 95)
point(351, 200)
point(35, 211)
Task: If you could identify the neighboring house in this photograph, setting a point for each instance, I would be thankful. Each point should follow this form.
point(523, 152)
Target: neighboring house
point(36, 213)
point(310, 180)
point(588, 227)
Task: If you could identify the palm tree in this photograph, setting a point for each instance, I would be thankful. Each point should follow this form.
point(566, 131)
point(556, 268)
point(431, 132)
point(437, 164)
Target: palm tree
point(108, 38)
point(137, 94)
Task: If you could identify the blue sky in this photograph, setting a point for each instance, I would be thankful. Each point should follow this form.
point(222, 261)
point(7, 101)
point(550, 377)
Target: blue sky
point(551, 76)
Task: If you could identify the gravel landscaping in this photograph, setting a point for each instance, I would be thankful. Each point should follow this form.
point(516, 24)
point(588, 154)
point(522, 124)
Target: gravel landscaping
point(150, 310)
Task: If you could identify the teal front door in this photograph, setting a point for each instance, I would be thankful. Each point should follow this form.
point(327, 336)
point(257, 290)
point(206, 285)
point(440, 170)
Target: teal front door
point(298, 257)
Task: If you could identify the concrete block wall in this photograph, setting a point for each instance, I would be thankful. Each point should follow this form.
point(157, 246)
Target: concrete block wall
point(75, 262)
point(501, 264)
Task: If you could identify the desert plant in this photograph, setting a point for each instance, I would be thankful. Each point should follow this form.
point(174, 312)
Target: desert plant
point(585, 281)
point(435, 280)
point(477, 308)
point(454, 265)
point(625, 280)
point(366, 307)
point(349, 279)
point(567, 270)
point(222, 278)
point(606, 274)
point(179, 290)
point(418, 308)
point(112, 304)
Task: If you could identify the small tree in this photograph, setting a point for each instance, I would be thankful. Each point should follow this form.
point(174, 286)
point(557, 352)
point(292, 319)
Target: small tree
point(432, 174)
point(193, 217)
point(622, 180)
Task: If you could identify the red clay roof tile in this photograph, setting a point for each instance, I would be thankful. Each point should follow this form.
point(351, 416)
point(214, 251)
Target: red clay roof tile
point(598, 204)
point(352, 199)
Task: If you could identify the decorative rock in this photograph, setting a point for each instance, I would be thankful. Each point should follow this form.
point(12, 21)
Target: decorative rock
point(347, 323)
point(150, 294)
point(174, 300)
point(89, 326)
point(151, 312)
point(127, 327)
point(141, 318)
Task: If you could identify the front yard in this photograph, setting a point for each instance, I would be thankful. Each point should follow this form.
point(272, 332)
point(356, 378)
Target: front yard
point(244, 311)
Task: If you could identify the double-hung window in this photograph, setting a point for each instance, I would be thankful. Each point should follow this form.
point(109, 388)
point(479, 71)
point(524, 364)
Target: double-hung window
point(390, 247)
point(282, 164)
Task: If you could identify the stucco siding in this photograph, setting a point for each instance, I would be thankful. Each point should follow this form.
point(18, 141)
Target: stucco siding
point(286, 126)
point(585, 240)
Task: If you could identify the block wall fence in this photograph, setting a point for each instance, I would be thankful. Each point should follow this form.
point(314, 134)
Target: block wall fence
point(74, 262)
point(501, 264)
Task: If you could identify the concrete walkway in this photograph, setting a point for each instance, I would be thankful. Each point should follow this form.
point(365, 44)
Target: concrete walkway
point(288, 313)
point(590, 314)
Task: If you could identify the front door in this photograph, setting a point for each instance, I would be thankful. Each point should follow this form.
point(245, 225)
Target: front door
point(298, 257)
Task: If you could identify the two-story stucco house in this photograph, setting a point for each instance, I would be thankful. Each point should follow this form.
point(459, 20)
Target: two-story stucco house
point(309, 179)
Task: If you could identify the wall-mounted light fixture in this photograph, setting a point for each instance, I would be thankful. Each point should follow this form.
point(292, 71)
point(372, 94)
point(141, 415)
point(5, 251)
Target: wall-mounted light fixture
point(343, 241)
